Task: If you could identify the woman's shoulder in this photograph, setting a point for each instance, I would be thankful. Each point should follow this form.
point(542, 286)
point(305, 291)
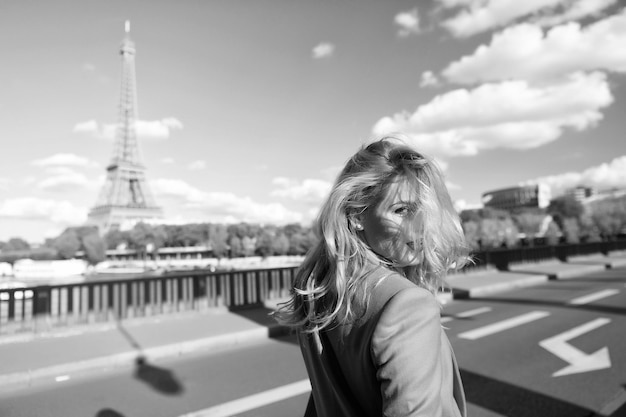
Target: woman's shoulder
point(393, 285)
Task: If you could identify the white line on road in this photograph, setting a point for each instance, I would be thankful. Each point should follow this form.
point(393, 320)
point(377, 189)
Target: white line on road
point(251, 402)
point(503, 325)
point(466, 314)
point(593, 297)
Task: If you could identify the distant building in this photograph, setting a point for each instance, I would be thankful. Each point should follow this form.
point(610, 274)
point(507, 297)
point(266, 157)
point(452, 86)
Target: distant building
point(525, 196)
point(580, 193)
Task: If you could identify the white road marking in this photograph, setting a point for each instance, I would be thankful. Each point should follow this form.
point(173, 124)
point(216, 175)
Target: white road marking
point(578, 361)
point(593, 297)
point(466, 314)
point(62, 378)
point(503, 325)
point(251, 402)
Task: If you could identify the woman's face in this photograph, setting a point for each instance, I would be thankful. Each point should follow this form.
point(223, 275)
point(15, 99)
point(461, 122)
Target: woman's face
point(392, 226)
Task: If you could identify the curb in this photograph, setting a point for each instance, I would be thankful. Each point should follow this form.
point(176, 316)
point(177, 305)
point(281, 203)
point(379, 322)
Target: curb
point(556, 271)
point(496, 287)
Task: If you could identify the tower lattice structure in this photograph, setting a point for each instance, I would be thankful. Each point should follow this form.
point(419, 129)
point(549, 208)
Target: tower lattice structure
point(125, 197)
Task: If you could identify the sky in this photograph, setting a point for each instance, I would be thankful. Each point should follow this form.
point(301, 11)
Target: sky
point(248, 109)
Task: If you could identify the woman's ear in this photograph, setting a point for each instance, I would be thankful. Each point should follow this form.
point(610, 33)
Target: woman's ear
point(355, 221)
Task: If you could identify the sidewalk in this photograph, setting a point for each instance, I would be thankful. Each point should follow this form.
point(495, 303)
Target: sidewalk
point(29, 359)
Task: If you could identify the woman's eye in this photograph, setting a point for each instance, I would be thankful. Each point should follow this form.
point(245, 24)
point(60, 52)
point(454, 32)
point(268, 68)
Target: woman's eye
point(403, 211)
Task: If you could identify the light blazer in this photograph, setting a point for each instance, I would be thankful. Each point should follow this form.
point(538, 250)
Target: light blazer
point(395, 361)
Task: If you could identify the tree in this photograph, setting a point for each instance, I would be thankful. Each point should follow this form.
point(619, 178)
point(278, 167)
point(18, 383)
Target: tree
point(115, 239)
point(264, 244)
point(218, 240)
point(529, 223)
point(17, 243)
point(145, 238)
point(490, 236)
point(609, 216)
point(588, 229)
point(470, 215)
point(67, 244)
point(297, 244)
point(571, 230)
point(292, 228)
point(552, 234)
point(566, 207)
point(248, 245)
point(236, 248)
point(95, 248)
point(472, 234)
point(280, 245)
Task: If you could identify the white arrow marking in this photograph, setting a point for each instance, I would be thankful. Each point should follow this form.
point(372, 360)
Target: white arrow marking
point(503, 325)
point(593, 297)
point(578, 361)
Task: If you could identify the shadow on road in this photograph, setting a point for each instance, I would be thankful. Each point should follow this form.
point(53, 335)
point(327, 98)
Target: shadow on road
point(161, 379)
point(107, 412)
point(257, 314)
point(513, 401)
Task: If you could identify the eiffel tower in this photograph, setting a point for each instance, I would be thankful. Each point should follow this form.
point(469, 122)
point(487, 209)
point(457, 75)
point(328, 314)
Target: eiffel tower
point(125, 198)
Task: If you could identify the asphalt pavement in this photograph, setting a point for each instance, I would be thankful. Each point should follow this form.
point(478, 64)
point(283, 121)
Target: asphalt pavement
point(33, 358)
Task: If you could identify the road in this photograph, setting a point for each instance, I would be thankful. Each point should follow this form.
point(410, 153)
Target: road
point(552, 350)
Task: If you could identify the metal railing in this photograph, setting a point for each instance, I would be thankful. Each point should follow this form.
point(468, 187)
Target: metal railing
point(501, 259)
point(40, 308)
point(46, 306)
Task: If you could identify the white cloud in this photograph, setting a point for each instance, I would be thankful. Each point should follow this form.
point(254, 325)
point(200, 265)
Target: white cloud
point(309, 190)
point(157, 129)
point(89, 126)
point(167, 160)
point(64, 159)
point(197, 165)
point(88, 66)
point(65, 181)
point(408, 23)
point(461, 205)
point(576, 10)
point(523, 52)
point(154, 129)
point(331, 173)
point(443, 165)
point(452, 186)
point(429, 79)
point(482, 15)
point(323, 50)
point(607, 175)
point(62, 212)
point(510, 114)
point(223, 207)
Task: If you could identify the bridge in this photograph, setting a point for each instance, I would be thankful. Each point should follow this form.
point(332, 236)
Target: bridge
point(58, 332)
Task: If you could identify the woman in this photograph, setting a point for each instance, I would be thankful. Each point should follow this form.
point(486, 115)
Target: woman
point(363, 303)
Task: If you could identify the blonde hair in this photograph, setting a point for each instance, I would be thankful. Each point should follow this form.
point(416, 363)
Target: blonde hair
point(329, 286)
